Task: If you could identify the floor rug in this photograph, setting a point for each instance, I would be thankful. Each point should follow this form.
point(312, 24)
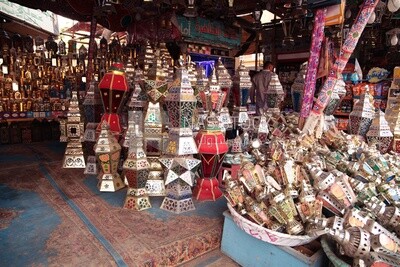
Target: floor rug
point(86, 227)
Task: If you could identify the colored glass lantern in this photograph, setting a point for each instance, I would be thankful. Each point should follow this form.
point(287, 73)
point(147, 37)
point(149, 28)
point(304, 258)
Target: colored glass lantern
point(297, 88)
point(241, 89)
point(108, 152)
point(360, 119)
point(274, 95)
point(201, 83)
point(113, 87)
point(139, 98)
point(212, 149)
point(136, 170)
point(180, 101)
point(224, 80)
point(72, 131)
point(146, 58)
point(213, 98)
point(379, 133)
point(339, 91)
point(92, 105)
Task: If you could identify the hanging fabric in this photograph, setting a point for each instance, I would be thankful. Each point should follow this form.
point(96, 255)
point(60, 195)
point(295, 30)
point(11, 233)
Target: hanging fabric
point(346, 51)
point(313, 62)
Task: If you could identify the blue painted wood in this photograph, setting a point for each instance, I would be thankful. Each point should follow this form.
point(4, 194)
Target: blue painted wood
point(252, 252)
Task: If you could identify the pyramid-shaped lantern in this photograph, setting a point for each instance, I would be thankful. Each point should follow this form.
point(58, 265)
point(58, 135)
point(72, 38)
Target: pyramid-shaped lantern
point(191, 72)
point(139, 98)
point(274, 95)
point(339, 91)
point(224, 80)
point(213, 98)
point(156, 83)
point(360, 119)
point(180, 100)
point(298, 88)
point(241, 89)
point(379, 133)
point(201, 83)
point(136, 172)
point(146, 58)
point(113, 87)
point(108, 152)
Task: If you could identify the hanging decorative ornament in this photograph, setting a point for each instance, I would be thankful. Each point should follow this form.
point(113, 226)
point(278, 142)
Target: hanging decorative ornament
point(297, 88)
point(379, 133)
point(393, 5)
point(372, 18)
point(394, 40)
point(361, 117)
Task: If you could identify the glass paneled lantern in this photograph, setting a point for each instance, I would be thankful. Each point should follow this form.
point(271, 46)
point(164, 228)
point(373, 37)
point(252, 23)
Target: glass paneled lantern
point(113, 87)
point(108, 152)
point(274, 95)
point(136, 171)
point(212, 149)
point(379, 133)
point(225, 83)
point(241, 89)
point(298, 88)
point(92, 104)
point(362, 115)
point(72, 131)
point(339, 91)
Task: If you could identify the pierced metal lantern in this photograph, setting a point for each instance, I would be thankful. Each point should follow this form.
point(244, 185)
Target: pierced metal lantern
point(146, 58)
point(139, 98)
point(339, 91)
point(108, 152)
point(180, 100)
point(113, 87)
point(72, 131)
point(297, 88)
point(201, 83)
point(213, 98)
point(274, 95)
point(136, 171)
point(360, 119)
point(224, 80)
point(179, 170)
point(355, 241)
point(379, 133)
point(92, 105)
point(241, 90)
point(212, 149)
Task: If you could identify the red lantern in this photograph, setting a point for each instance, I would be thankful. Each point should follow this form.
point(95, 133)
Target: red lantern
point(212, 149)
point(113, 87)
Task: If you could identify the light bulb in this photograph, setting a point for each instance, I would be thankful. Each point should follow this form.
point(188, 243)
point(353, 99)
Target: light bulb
point(394, 40)
point(348, 14)
point(372, 18)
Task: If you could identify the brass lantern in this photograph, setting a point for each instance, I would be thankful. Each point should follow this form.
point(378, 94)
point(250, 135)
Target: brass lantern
point(108, 152)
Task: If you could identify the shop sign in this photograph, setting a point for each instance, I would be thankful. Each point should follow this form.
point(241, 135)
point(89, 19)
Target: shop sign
point(36, 18)
point(208, 31)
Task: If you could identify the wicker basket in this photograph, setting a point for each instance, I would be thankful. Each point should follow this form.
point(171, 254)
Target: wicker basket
point(267, 235)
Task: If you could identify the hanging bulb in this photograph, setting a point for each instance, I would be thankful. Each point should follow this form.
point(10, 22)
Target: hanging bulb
point(348, 14)
point(394, 40)
point(372, 18)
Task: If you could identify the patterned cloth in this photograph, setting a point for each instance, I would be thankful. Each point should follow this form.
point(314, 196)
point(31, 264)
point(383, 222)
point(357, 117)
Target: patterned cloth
point(313, 62)
point(314, 122)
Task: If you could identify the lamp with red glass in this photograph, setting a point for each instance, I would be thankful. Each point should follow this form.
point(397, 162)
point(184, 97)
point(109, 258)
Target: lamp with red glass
point(212, 148)
point(113, 88)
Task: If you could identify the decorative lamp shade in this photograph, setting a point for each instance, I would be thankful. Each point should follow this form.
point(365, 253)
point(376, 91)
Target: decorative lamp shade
point(339, 91)
point(275, 93)
point(107, 150)
point(213, 98)
point(212, 148)
point(181, 142)
point(113, 87)
point(298, 88)
point(136, 166)
point(180, 101)
point(224, 80)
point(379, 133)
point(362, 115)
point(201, 82)
point(241, 85)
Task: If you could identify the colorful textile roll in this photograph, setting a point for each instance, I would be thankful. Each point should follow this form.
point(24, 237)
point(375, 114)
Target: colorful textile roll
point(313, 62)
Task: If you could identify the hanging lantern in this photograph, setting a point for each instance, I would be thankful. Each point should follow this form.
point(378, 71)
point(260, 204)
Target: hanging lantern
point(297, 88)
point(241, 89)
point(72, 46)
point(379, 133)
point(39, 43)
point(361, 117)
point(288, 27)
point(212, 149)
point(51, 45)
point(392, 37)
point(113, 87)
point(62, 48)
point(108, 152)
point(28, 43)
point(257, 14)
point(191, 10)
point(17, 42)
point(224, 80)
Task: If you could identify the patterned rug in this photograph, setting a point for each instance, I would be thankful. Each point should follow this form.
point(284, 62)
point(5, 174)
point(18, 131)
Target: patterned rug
point(64, 220)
